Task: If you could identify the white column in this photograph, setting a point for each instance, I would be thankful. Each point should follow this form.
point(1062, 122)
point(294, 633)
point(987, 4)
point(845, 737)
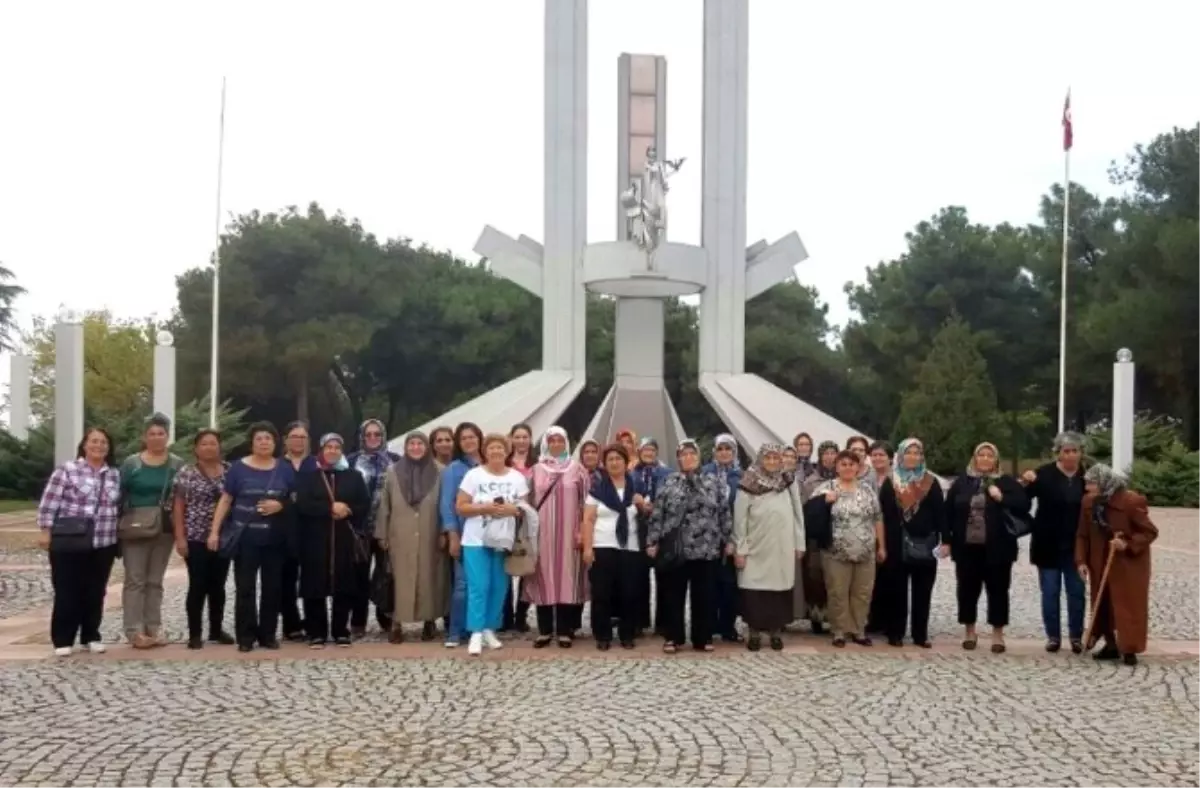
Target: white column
point(564, 305)
point(20, 376)
point(1123, 411)
point(723, 191)
point(164, 379)
point(68, 388)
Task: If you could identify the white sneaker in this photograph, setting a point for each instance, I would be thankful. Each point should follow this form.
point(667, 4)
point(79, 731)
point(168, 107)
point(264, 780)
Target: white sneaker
point(475, 647)
point(96, 647)
point(452, 643)
point(65, 651)
point(490, 640)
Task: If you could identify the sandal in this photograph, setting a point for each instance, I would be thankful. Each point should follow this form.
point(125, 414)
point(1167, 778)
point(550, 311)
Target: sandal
point(839, 642)
point(541, 641)
point(565, 642)
point(970, 643)
point(1076, 646)
point(863, 641)
point(999, 648)
point(603, 645)
point(754, 643)
point(669, 648)
point(776, 643)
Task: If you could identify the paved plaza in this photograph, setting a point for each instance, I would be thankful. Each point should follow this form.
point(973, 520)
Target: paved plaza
point(378, 714)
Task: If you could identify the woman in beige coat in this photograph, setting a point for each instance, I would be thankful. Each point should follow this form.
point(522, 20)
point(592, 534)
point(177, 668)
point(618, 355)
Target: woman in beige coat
point(406, 525)
point(768, 536)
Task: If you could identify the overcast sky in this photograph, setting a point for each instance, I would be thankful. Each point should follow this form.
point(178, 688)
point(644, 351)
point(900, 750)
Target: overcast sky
point(423, 119)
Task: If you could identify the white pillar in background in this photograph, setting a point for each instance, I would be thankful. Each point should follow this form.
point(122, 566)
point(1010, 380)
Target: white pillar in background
point(1123, 411)
point(68, 387)
point(19, 379)
point(164, 379)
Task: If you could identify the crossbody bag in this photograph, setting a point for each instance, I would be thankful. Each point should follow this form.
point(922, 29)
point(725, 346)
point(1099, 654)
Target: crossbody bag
point(139, 523)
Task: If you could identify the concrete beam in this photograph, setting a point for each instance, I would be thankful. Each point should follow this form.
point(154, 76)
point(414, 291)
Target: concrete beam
point(773, 264)
point(511, 259)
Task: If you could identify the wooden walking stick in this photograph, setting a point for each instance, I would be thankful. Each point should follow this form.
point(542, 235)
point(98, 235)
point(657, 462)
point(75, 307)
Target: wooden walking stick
point(1087, 636)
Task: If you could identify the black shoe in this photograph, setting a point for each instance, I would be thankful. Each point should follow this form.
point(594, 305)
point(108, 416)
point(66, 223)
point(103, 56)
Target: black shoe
point(1108, 653)
point(1052, 646)
point(628, 644)
point(195, 643)
point(896, 642)
point(818, 628)
point(776, 643)
point(429, 631)
point(221, 638)
point(754, 643)
point(1076, 645)
point(358, 633)
point(342, 642)
point(296, 636)
point(316, 644)
point(1129, 659)
point(924, 644)
point(522, 627)
point(541, 641)
point(863, 641)
point(271, 645)
point(603, 645)
point(245, 648)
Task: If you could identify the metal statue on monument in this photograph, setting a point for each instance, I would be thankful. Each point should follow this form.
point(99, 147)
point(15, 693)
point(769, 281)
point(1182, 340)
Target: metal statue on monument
point(645, 202)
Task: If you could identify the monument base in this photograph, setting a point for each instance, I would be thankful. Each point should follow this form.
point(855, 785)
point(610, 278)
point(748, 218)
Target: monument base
point(646, 411)
point(758, 412)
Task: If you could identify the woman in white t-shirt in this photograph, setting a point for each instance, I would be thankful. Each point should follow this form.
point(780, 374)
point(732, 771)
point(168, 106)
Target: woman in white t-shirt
point(487, 492)
point(612, 543)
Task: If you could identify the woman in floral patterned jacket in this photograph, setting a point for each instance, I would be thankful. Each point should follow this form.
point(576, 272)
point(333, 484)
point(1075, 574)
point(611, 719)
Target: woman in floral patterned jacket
point(690, 531)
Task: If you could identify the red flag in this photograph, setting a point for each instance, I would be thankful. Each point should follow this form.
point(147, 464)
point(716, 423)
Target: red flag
point(1068, 131)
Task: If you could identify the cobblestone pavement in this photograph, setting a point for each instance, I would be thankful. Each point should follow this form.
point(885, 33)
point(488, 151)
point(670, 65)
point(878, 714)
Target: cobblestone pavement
point(743, 720)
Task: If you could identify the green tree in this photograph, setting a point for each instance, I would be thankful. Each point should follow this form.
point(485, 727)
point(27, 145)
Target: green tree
point(118, 366)
point(952, 407)
point(9, 293)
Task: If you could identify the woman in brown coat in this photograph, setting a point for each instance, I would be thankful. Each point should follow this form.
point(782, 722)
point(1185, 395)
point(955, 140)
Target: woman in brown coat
point(407, 528)
point(1115, 518)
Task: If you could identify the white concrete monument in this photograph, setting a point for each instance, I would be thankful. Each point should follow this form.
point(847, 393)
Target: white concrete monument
point(642, 267)
point(164, 379)
point(1123, 411)
point(19, 378)
point(68, 387)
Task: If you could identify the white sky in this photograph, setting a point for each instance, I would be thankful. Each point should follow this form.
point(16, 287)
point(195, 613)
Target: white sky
point(423, 119)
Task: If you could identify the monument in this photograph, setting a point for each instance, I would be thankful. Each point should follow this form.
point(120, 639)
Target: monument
point(19, 378)
point(68, 386)
point(164, 378)
point(641, 267)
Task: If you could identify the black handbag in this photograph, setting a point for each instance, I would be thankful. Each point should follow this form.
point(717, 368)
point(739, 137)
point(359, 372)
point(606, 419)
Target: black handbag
point(918, 550)
point(1016, 525)
point(382, 584)
point(76, 534)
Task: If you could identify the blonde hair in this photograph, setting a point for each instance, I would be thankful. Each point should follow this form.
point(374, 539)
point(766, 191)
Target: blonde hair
point(495, 437)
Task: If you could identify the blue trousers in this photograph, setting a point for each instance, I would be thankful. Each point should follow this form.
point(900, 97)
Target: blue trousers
point(487, 585)
point(1052, 582)
point(456, 628)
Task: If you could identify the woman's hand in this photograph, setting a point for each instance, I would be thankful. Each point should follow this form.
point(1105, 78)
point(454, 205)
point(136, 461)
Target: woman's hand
point(1119, 544)
point(383, 544)
point(269, 506)
point(1029, 477)
point(455, 547)
point(994, 493)
point(181, 548)
point(943, 550)
point(443, 543)
point(340, 511)
point(214, 541)
point(1083, 572)
point(831, 496)
point(728, 550)
point(652, 551)
point(506, 509)
point(44, 540)
point(739, 561)
point(881, 554)
point(589, 557)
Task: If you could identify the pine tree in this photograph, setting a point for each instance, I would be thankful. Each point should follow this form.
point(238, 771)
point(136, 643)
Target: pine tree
point(952, 408)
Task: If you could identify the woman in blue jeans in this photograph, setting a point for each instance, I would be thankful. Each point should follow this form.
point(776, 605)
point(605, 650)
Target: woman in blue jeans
point(468, 439)
point(1058, 488)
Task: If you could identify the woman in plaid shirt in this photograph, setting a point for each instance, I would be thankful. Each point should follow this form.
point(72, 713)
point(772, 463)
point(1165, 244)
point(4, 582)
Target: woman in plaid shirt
point(88, 487)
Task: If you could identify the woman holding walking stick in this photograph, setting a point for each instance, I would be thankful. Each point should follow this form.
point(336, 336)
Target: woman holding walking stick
point(1115, 533)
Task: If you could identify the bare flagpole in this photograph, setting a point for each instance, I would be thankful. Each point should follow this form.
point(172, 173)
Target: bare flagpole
point(216, 293)
point(1068, 140)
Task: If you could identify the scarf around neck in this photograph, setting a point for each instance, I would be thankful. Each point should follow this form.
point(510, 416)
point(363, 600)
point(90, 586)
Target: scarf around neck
point(757, 480)
point(910, 484)
point(606, 493)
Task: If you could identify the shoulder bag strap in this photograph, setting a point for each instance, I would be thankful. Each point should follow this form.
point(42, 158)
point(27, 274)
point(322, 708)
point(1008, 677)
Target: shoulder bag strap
point(549, 490)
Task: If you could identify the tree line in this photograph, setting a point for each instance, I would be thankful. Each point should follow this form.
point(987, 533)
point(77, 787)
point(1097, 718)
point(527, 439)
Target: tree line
point(956, 339)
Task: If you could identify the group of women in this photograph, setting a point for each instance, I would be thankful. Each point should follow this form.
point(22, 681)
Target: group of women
point(475, 529)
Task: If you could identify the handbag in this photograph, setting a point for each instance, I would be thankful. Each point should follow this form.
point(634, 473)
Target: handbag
point(75, 534)
point(140, 523)
point(382, 585)
point(521, 561)
point(1016, 525)
point(918, 550)
point(359, 543)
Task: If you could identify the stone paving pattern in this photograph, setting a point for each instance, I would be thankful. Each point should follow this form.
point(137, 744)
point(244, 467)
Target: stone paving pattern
point(858, 717)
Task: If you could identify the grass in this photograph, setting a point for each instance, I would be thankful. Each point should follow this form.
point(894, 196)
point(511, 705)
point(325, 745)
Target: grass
point(17, 506)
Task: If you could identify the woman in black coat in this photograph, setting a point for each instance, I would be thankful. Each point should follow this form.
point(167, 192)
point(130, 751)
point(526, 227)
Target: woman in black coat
point(332, 504)
point(914, 522)
point(984, 508)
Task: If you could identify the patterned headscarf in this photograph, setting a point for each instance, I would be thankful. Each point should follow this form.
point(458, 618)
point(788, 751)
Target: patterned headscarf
point(910, 484)
point(974, 472)
point(555, 463)
point(757, 480)
point(818, 466)
point(326, 439)
point(372, 464)
point(1110, 483)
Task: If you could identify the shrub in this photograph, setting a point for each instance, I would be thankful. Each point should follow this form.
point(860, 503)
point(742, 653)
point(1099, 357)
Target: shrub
point(1174, 480)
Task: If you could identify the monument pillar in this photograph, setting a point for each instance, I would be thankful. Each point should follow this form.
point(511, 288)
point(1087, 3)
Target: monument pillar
point(1123, 411)
point(20, 377)
point(164, 379)
point(68, 387)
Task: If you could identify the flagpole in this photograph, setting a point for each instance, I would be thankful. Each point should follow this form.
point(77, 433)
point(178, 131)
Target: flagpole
point(216, 292)
point(1062, 309)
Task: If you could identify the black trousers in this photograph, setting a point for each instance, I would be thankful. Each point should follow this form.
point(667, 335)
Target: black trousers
point(974, 574)
point(289, 598)
point(321, 625)
point(79, 581)
point(362, 594)
point(725, 601)
point(646, 611)
point(257, 568)
point(877, 614)
point(892, 589)
point(207, 573)
point(616, 578)
point(694, 579)
point(516, 610)
point(556, 619)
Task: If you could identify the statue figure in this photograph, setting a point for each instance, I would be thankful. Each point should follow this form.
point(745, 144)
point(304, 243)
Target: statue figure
point(645, 202)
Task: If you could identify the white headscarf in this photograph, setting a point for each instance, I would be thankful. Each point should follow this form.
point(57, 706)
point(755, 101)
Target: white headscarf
point(562, 462)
